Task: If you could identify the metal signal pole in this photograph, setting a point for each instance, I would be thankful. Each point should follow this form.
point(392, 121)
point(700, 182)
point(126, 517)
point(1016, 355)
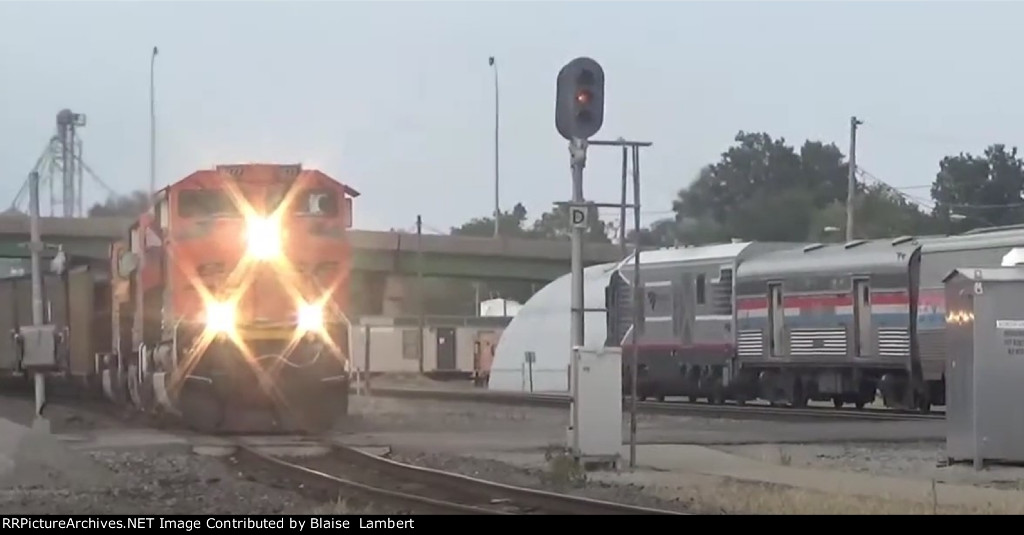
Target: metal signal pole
point(622, 210)
point(578, 155)
point(637, 304)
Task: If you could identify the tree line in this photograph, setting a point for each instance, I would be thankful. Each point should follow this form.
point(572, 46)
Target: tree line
point(763, 188)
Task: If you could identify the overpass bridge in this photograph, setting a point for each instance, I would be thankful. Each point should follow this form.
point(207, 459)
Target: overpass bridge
point(382, 261)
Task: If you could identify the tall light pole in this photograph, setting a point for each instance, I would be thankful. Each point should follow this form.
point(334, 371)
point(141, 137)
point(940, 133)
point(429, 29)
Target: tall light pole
point(152, 123)
point(497, 209)
point(851, 185)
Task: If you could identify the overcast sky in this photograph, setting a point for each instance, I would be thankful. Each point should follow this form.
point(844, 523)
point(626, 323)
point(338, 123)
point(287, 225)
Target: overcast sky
point(396, 99)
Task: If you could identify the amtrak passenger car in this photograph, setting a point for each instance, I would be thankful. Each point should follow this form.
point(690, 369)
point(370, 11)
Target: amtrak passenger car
point(826, 322)
point(685, 345)
point(791, 322)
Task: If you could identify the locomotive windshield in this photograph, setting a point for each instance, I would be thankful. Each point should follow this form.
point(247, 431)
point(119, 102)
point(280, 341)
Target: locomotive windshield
point(205, 203)
point(316, 202)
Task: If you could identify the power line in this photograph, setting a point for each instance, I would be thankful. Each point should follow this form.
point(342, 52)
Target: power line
point(931, 204)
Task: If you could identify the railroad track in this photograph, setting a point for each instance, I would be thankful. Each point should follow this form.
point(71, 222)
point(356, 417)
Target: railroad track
point(662, 407)
point(369, 478)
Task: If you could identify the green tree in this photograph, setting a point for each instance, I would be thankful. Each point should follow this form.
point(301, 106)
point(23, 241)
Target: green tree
point(510, 224)
point(661, 233)
point(756, 164)
point(554, 224)
point(763, 189)
point(131, 205)
point(976, 191)
point(880, 212)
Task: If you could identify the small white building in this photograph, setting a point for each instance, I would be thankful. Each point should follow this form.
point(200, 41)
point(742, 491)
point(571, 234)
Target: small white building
point(1014, 257)
point(499, 307)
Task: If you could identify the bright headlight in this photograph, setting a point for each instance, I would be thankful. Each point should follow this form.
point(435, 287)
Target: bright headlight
point(264, 237)
point(311, 317)
point(220, 317)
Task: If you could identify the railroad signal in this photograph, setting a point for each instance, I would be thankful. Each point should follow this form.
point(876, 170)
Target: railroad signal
point(579, 100)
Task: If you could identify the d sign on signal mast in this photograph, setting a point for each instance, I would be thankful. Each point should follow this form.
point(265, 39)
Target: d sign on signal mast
point(579, 103)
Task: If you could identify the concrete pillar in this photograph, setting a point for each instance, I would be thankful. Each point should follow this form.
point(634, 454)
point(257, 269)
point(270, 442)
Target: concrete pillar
point(397, 298)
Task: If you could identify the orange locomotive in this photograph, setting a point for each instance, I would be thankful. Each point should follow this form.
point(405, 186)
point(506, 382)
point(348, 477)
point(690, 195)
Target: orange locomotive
point(242, 290)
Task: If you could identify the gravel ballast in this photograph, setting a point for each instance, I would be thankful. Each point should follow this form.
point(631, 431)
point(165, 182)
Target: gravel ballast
point(549, 480)
point(156, 481)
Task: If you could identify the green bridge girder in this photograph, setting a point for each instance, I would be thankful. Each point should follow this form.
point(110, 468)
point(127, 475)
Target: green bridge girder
point(402, 262)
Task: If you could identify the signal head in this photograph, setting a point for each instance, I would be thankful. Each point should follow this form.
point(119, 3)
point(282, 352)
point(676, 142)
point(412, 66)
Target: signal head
point(579, 101)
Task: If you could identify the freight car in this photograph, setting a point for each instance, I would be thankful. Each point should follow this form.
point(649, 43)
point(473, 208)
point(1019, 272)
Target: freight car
point(224, 306)
point(836, 322)
point(76, 301)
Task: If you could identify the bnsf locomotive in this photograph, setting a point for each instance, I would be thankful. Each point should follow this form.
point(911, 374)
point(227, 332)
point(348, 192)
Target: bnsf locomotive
point(224, 306)
point(790, 323)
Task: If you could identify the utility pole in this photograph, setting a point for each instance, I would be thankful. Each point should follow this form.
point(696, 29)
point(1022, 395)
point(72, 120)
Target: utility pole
point(152, 123)
point(851, 183)
point(497, 206)
point(419, 290)
point(36, 248)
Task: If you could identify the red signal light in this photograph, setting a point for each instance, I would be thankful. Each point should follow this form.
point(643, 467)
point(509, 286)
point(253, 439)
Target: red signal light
point(583, 97)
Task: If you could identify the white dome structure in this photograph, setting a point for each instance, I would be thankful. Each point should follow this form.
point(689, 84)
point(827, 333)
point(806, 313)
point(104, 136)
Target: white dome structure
point(541, 326)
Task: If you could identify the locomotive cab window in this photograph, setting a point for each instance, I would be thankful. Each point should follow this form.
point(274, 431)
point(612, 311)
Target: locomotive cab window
point(316, 203)
point(701, 289)
point(162, 215)
point(203, 203)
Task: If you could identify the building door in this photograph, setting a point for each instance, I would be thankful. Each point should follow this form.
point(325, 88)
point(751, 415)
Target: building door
point(445, 349)
point(776, 320)
point(862, 317)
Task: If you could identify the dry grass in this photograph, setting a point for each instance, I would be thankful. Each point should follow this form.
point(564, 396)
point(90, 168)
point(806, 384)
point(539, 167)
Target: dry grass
point(563, 470)
point(417, 380)
point(712, 494)
point(342, 506)
point(347, 506)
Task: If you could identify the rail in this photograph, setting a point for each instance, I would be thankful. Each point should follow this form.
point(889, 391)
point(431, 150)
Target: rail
point(457, 489)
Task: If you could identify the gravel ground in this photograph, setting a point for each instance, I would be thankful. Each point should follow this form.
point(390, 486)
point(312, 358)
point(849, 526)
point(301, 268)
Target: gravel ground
point(49, 477)
point(64, 416)
point(925, 460)
point(554, 480)
point(156, 481)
